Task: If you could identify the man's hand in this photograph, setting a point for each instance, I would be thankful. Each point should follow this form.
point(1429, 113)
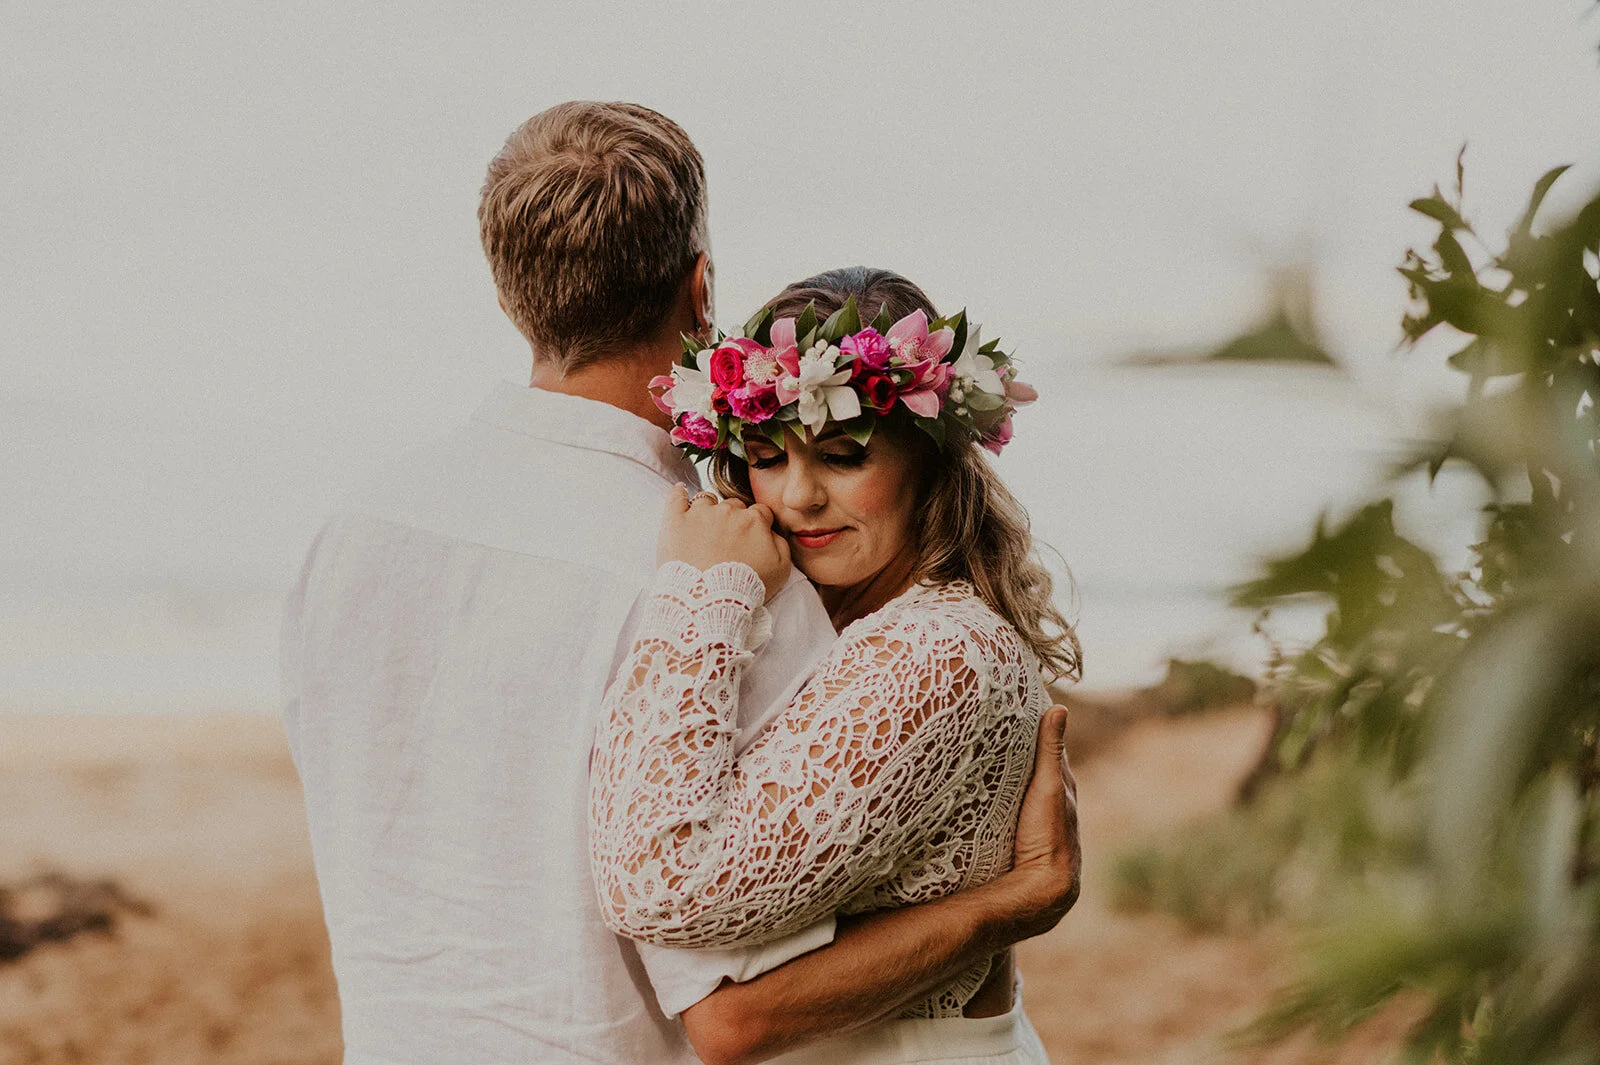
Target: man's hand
point(1044, 879)
point(706, 531)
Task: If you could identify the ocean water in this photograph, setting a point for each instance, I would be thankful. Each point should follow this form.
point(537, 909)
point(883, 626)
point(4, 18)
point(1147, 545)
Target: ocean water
point(1158, 488)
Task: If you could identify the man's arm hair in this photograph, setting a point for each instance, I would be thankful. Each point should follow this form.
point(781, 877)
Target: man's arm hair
point(881, 964)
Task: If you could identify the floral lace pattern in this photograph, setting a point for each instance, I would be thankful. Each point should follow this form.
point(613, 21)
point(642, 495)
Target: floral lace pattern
point(893, 778)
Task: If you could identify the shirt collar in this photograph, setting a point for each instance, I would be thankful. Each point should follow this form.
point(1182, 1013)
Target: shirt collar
point(585, 423)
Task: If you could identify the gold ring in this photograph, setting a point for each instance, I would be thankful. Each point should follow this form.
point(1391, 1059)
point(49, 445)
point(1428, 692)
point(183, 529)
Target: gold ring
point(698, 496)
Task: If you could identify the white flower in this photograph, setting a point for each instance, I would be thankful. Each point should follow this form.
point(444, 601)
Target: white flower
point(691, 389)
point(973, 369)
point(824, 390)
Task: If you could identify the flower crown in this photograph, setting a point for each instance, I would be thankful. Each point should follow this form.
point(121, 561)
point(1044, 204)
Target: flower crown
point(791, 372)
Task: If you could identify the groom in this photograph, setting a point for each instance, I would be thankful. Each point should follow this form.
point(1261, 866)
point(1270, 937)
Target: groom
point(454, 628)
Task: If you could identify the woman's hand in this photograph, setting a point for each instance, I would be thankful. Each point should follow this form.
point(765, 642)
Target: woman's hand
point(707, 531)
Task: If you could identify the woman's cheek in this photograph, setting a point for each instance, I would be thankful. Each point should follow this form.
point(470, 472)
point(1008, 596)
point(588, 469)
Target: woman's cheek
point(765, 488)
point(876, 495)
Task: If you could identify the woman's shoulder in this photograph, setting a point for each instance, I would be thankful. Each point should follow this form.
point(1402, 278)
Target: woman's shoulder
point(931, 617)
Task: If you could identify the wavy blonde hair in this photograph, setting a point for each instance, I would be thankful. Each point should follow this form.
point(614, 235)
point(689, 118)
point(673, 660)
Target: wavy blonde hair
point(969, 525)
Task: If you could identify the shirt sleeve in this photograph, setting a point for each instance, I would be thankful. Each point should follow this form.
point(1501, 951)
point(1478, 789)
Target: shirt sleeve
point(682, 976)
point(291, 639)
point(696, 845)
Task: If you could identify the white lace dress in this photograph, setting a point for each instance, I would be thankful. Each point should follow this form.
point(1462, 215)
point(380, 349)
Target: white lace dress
point(894, 777)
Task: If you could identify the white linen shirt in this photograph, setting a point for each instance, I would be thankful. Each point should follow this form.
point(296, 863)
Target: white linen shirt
point(445, 657)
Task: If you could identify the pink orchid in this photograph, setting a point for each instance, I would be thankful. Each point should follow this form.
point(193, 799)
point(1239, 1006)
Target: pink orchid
point(663, 398)
point(788, 359)
point(922, 353)
point(925, 392)
point(1020, 393)
point(911, 342)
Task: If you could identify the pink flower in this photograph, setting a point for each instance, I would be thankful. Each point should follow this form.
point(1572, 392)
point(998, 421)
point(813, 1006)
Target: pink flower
point(870, 348)
point(997, 436)
point(1019, 393)
point(661, 392)
point(787, 356)
point(753, 403)
point(761, 367)
point(929, 382)
point(879, 391)
point(727, 367)
point(696, 431)
point(911, 342)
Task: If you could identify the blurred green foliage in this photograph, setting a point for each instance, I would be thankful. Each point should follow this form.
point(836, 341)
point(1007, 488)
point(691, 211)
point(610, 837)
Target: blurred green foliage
point(1444, 828)
point(1294, 852)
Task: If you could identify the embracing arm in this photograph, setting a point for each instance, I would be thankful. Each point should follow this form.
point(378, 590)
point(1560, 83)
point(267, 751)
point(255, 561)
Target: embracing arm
point(880, 964)
point(693, 846)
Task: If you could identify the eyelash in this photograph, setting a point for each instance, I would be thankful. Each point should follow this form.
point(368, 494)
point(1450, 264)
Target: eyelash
point(846, 461)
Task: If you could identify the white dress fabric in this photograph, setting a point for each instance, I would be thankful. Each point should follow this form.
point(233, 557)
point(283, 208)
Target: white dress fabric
point(1005, 1040)
point(894, 777)
point(445, 656)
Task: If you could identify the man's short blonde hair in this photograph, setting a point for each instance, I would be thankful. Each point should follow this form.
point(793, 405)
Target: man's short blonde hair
point(592, 216)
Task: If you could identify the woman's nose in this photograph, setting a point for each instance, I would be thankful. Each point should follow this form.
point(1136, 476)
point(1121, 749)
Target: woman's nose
point(802, 490)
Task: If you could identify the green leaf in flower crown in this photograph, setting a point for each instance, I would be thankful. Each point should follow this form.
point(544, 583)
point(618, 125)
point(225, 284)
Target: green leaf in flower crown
point(842, 322)
point(860, 429)
point(773, 430)
point(978, 399)
point(736, 447)
point(759, 327)
point(959, 324)
point(691, 346)
point(883, 320)
point(933, 427)
point(991, 347)
point(805, 326)
point(984, 420)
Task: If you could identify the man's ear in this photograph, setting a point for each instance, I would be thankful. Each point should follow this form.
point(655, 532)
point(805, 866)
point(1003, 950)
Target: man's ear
point(502, 301)
point(702, 292)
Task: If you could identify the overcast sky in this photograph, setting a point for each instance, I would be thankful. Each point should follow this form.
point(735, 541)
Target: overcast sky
point(240, 261)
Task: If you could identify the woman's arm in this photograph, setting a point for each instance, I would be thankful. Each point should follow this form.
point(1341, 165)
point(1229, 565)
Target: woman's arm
point(693, 847)
point(879, 965)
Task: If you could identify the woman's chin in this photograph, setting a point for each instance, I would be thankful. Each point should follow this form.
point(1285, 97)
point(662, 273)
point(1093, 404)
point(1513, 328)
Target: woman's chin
point(821, 570)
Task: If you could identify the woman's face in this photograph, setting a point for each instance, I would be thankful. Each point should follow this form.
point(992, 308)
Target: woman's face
point(844, 507)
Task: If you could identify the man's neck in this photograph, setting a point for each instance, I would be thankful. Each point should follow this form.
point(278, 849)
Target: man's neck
point(622, 381)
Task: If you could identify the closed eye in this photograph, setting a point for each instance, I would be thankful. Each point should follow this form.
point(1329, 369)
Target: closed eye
point(845, 459)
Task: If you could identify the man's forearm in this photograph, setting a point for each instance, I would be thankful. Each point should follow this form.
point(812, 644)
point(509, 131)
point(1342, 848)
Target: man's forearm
point(875, 967)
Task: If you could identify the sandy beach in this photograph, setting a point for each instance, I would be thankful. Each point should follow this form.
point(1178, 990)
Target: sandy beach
point(197, 821)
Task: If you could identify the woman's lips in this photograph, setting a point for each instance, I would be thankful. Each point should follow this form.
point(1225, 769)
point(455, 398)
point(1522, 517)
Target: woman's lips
point(815, 538)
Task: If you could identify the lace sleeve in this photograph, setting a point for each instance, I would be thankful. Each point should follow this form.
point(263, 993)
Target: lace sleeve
point(695, 847)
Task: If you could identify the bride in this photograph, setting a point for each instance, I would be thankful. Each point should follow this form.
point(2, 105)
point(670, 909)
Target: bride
point(895, 775)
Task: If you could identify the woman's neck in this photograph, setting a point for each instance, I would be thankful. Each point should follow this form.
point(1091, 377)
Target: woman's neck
point(848, 602)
